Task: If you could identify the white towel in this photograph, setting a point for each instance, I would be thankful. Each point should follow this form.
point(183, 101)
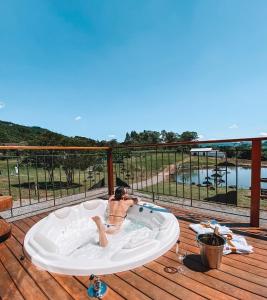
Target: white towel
point(200, 229)
point(235, 243)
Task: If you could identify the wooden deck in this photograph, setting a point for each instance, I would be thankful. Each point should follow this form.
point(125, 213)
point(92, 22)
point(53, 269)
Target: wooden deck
point(240, 276)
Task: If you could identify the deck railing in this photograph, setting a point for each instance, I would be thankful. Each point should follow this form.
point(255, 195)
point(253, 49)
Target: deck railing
point(39, 178)
point(36, 175)
point(219, 177)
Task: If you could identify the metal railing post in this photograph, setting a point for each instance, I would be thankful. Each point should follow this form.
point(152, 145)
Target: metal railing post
point(110, 172)
point(255, 183)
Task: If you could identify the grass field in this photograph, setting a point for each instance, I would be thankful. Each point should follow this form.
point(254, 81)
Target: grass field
point(201, 193)
point(141, 166)
point(33, 183)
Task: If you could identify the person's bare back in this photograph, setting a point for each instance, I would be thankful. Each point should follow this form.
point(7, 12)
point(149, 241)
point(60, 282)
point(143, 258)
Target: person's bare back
point(117, 210)
point(118, 206)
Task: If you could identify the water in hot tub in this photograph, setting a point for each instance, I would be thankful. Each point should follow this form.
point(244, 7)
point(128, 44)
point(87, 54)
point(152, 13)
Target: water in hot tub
point(81, 238)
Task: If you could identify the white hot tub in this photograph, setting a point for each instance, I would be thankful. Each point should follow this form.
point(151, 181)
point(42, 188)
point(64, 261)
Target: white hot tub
point(66, 241)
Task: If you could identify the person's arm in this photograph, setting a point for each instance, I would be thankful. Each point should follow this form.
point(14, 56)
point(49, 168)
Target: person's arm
point(132, 200)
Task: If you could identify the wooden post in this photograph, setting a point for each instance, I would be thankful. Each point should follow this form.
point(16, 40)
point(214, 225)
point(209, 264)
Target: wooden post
point(255, 183)
point(110, 173)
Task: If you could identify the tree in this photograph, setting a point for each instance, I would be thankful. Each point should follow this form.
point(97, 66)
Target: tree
point(169, 136)
point(112, 143)
point(187, 136)
point(149, 137)
point(134, 137)
point(69, 161)
point(127, 139)
point(46, 160)
point(155, 137)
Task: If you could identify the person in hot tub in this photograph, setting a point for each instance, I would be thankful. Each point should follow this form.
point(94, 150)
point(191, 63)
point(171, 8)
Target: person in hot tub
point(118, 206)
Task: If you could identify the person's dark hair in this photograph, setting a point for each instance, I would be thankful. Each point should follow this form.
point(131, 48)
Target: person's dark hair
point(119, 192)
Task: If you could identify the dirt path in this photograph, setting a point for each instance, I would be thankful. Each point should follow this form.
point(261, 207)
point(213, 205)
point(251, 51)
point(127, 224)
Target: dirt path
point(163, 175)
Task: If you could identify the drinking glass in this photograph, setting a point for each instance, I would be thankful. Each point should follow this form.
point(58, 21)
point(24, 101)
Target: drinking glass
point(181, 255)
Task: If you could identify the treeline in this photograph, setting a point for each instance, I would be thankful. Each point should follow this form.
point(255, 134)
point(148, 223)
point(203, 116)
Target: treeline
point(153, 137)
point(242, 151)
point(11, 133)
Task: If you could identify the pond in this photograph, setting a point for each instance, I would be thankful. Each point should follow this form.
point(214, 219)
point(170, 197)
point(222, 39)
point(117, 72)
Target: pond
point(239, 176)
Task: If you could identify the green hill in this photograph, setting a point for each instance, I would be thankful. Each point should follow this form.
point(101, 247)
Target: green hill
point(27, 135)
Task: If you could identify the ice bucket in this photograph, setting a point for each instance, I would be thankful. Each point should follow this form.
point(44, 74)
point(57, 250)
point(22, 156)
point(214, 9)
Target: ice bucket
point(211, 249)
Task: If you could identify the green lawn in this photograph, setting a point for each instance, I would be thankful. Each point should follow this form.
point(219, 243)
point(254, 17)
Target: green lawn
point(28, 179)
point(138, 168)
point(199, 193)
point(142, 166)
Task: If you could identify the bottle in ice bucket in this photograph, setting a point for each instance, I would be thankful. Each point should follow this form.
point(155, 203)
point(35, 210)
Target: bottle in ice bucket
point(211, 248)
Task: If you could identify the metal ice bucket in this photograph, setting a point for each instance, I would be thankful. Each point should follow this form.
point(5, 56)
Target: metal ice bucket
point(211, 256)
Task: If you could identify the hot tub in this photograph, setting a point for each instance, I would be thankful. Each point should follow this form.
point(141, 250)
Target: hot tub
point(66, 241)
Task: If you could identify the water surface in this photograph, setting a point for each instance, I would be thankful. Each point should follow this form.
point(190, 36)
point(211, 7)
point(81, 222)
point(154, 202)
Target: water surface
point(239, 176)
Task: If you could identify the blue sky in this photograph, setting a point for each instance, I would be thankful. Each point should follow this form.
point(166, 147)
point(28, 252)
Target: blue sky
point(102, 68)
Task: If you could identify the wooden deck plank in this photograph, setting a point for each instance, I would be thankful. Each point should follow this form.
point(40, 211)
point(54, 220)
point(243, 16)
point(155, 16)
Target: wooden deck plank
point(8, 289)
point(218, 287)
point(164, 283)
point(123, 288)
point(22, 225)
point(29, 221)
point(23, 281)
point(194, 259)
point(147, 288)
point(43, 279)
point(240, 276)
point(72, 286)
point(186, 281)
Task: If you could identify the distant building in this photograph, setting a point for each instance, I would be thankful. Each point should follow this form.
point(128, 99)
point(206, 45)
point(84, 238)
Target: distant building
point(207, 152)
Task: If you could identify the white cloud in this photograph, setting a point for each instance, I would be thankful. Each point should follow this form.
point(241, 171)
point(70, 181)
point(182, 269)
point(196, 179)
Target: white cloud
point(233, 126)
point(112, 136)
point(78, 118)
point(200, 136)
point(263, 133)
point(2, 104)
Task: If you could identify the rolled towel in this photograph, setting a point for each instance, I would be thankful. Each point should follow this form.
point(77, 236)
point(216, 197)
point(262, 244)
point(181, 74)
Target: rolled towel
point(209, 228)
point(237, 244)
